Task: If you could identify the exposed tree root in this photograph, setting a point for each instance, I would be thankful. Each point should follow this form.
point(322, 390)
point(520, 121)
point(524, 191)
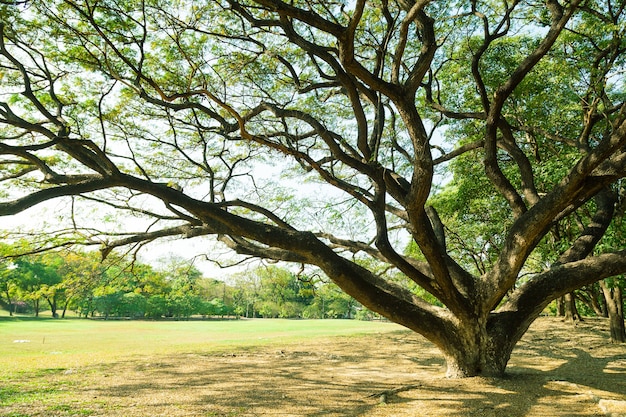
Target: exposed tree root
point(383, 396)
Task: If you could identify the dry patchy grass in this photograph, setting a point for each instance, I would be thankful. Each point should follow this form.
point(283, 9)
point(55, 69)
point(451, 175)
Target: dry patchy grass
point(555, 371)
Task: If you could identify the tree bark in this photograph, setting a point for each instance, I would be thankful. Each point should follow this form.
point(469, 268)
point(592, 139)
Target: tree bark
point(65, 305)
point(10, 303)
point(615, 307)
point(52, 302)
point(560, 306)
point(571, 311)
point(480, 351)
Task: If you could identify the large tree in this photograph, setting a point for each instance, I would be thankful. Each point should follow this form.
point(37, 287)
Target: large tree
point(175, 112)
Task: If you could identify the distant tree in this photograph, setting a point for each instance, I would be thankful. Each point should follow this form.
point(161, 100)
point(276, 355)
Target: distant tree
point(8, 286)
point(5, 280)
point(245, 295)
point(215, 307)
point(81, 272)
point(38, 278)
point(330, 302)
point(107, 302)
point(132, 304)
point(218, 297)
point(281, 292)
point(122, 289)
point(182, 297)
point(157, 306)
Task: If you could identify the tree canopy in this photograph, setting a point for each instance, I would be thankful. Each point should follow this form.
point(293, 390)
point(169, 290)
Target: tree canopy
point(419, 153)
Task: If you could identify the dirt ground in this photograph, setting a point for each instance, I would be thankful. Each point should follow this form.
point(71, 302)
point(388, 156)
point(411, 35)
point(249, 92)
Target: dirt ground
point(556, 370)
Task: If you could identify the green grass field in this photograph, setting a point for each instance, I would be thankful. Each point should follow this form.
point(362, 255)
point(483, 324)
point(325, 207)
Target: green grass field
point(330, 368)
point(28, 344)
point(38, 357)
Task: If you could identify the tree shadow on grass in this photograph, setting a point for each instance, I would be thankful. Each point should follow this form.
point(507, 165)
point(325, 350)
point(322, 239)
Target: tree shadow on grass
point(556, 373)
point(284, 383)
point(556, 370)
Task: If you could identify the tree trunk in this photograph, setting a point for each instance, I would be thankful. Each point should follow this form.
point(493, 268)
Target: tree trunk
point(560, 306)
point(571, 312)
point(52, 302)
point(488, 359)
point(11, 307)
point(480, 347)
point(604, 306)
point(67, 303)
point(615, 307)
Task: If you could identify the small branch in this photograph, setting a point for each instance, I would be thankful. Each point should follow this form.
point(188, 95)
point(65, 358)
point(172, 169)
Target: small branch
point(187, 231)
point(258, 209)
point(383, 396)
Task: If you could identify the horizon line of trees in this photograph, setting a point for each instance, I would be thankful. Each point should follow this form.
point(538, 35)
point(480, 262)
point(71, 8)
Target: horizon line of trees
point(81, 282)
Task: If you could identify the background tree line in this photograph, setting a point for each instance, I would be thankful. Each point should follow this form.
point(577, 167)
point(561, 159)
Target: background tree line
point(80, 282)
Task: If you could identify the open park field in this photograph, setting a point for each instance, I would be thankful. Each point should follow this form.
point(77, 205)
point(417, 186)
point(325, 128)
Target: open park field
point(294, 368)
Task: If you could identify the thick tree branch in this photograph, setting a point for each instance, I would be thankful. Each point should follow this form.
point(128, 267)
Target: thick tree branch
point(559, 18)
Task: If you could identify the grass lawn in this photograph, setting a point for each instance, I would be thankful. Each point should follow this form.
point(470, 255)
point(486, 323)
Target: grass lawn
point(47, 364)
point(28, 344)
point(294, 368)
point(39, 356)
